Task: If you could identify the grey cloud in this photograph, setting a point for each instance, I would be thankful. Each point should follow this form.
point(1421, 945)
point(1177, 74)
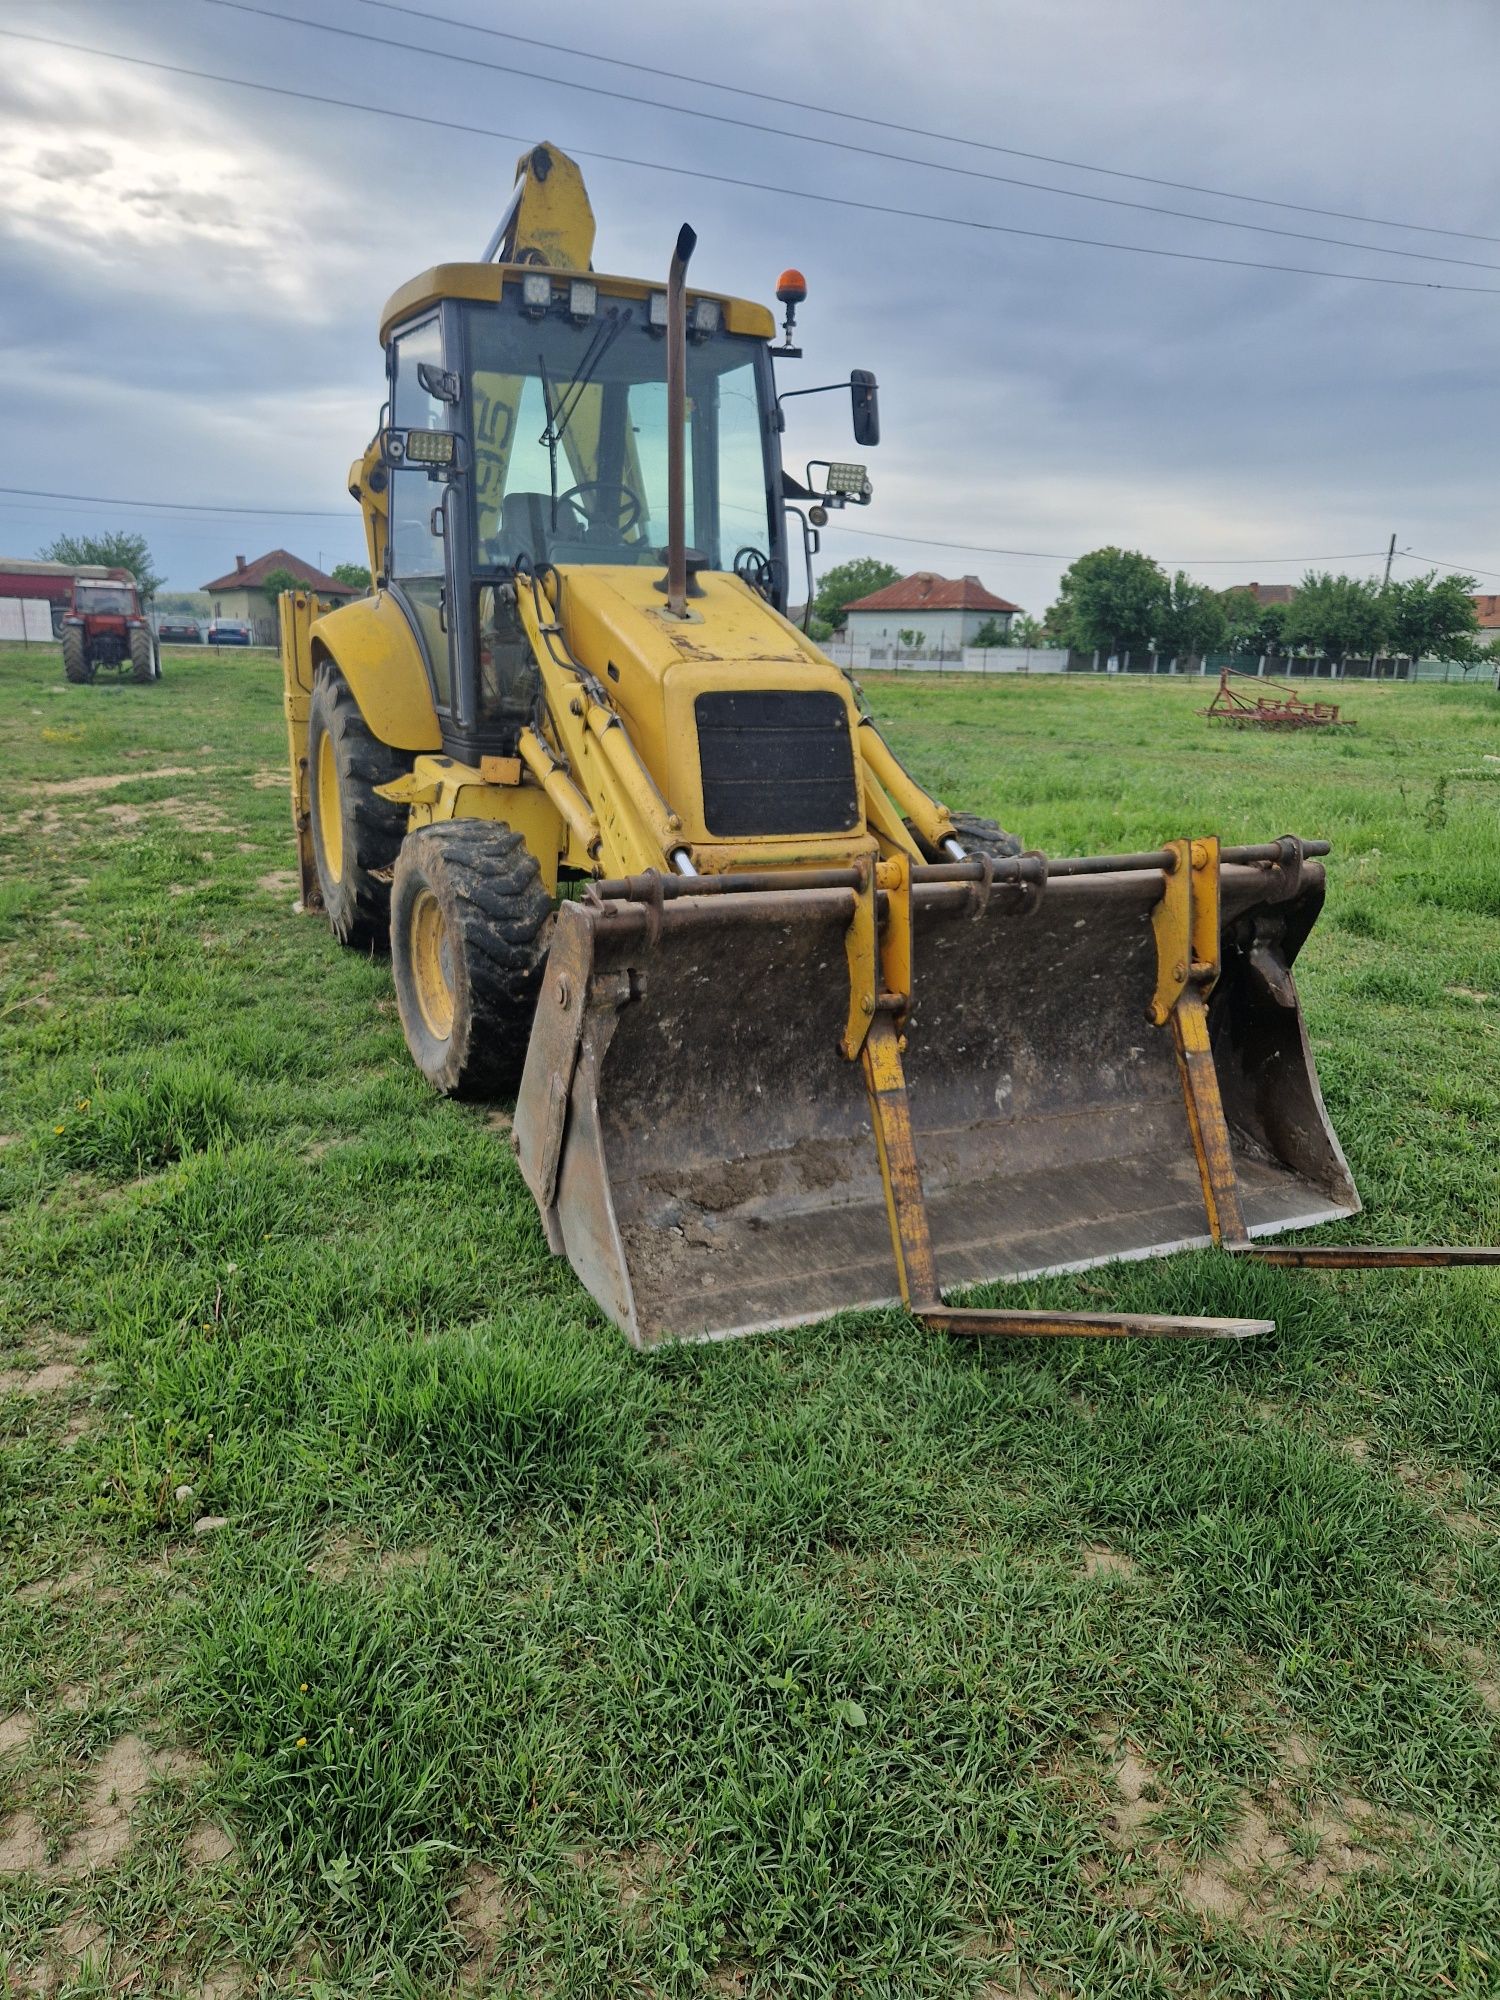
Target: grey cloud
point(1035, 394)
point(79, 163)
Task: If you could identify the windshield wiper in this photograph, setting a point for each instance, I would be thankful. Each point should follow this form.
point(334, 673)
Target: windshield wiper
point(551, 434)
point(560, 412)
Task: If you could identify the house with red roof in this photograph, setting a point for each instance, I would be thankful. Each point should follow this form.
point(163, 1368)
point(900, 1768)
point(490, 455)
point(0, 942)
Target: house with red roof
point(946, 612)
point(1487, 613)
point(240, 594)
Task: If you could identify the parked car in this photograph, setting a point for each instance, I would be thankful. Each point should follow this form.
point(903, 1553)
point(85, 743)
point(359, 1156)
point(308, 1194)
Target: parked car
point(226, 632)
point(180, 632)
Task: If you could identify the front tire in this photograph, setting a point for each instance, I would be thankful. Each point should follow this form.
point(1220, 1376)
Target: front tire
point(75, 657)
point(470, 926)
point(356, 833)
point(984, 836)
point(142, 658)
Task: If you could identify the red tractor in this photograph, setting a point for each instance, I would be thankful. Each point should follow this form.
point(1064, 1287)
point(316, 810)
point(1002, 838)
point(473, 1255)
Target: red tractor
point(104, 626)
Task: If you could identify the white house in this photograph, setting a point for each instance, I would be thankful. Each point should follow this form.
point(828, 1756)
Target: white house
point(947, 613)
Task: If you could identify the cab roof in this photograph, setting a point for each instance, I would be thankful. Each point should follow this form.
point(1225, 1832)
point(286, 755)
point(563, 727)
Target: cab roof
point(483, 282)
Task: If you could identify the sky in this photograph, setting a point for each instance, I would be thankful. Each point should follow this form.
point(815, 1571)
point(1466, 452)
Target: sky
point(191, 274)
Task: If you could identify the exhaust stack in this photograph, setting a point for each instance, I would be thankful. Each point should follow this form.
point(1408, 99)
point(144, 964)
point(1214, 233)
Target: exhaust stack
point(677, 576)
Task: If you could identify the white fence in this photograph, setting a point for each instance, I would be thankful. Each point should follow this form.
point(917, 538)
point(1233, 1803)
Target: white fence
point(972, 660)
point(25, 618)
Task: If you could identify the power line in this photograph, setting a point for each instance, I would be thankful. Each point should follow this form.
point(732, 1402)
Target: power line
point(1046, 555)
point(922, 131)
point(1442, 562)
point(185, 506)
point(866, 534)
point(701, 174)
point(846, 145)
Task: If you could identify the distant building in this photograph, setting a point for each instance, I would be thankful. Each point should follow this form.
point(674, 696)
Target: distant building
point(948, 613)
point(241, 594)
point(1267, 593)
point(1487, 611)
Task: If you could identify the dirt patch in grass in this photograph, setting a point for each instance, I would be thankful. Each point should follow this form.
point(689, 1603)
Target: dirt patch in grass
point(1272, 1863)
point(44, 1589)
point(1484, 1674)
point(485, 1911)
point(346, 1555)
point(46, 1381)
point(207, 1845)
point(1101, 1561)
point(279, 882)
point(629, 1877)
point(114, 1788)
point(16, 1732)
point(1138, 1794)
point(78, 788)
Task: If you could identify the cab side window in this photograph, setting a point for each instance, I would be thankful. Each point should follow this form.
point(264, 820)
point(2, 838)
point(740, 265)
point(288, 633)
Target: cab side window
point(415, 549)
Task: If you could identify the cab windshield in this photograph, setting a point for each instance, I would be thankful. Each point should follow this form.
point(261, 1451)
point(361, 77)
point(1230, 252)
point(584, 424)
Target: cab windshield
point(570, 438)
point(112, 597)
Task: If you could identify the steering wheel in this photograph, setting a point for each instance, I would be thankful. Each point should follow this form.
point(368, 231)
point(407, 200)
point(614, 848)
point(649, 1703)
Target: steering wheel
point(756, 569)
point(629, 514)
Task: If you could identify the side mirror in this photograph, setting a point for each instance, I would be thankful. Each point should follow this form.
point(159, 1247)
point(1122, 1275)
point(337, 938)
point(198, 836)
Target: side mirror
point(864, 395)
point(440, 383)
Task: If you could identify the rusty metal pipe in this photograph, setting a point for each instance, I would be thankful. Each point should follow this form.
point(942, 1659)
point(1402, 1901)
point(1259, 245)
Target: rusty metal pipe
point(1025, 867)
point(986, 1325)
point(644, 888)
point(1362, 1256)
point(783, 907)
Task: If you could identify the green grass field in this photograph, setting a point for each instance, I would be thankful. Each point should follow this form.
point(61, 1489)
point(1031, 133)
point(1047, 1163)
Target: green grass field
point(841, 1662)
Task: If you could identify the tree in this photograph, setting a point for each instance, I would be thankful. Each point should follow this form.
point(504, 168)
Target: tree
point(119, 550)
point(1111, 598)
point(993, 633)
point(1193, 620)
point(1434, 617)
point(845, 582)
point(275, 581)
point(1253, 627)
point(1027, 631)
point(354, 574)
point(1339, 616)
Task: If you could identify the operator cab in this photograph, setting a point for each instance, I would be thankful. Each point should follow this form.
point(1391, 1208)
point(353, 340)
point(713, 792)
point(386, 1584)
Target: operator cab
point(527, 429)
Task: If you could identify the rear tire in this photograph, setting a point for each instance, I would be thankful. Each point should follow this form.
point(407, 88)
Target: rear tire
point(984, 836)
point(75, 657)
point(470, 926)
point(356, 833)
point(142, 658)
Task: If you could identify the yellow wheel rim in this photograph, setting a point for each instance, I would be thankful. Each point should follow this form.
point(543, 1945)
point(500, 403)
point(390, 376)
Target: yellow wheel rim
point(431, 964)
point(330, 815)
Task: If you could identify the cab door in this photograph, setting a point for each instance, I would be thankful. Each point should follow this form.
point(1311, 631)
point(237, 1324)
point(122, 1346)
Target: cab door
point(421, 512)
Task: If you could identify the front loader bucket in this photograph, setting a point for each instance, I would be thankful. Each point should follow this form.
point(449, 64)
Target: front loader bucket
point(703, 1153)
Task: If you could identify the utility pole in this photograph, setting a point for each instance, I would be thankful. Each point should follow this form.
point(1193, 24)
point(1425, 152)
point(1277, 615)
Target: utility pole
point(1390, 556)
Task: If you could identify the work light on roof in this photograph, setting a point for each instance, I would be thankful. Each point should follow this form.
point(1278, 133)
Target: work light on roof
point(705, 318)
point(583, 299)
point(536, 293)
point(657, 312)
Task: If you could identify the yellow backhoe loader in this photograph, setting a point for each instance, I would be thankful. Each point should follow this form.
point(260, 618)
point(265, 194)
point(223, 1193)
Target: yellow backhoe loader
point(788, 1036)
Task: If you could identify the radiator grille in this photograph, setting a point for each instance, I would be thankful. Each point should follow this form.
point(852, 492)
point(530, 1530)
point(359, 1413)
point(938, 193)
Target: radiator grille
point(775, 761)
